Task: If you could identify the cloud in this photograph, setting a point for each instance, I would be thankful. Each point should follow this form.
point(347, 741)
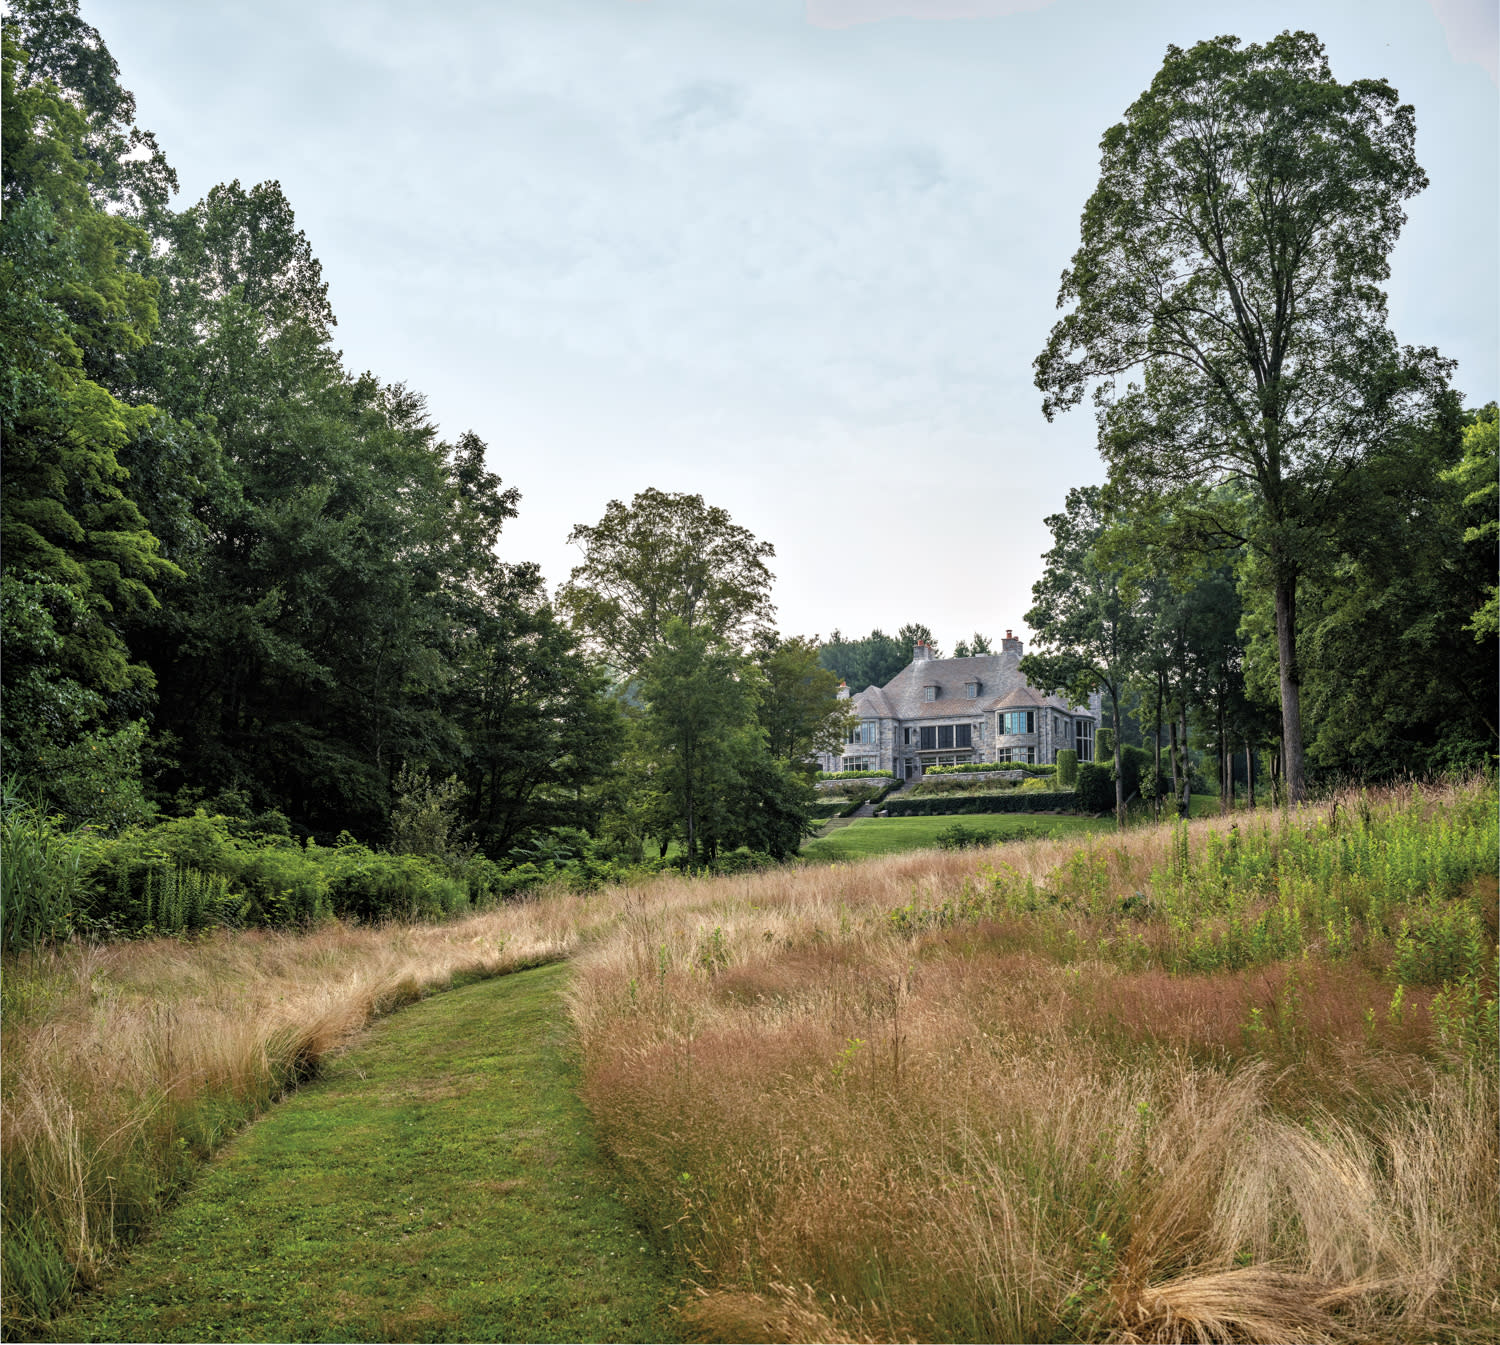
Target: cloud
point(1470, 26)
point(847, 13)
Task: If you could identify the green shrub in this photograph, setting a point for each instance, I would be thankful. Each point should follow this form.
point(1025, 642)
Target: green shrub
point(369, 885)
point(40, 866)
point(96, 780)
point(1067, 768)
point(284, 885)
point(1095, 791)
point(970, 767)
point(1016, 801)
point(425, 817)
point(180, 874)
point(177, 900)
point(853, 775)
point(1137, 766)
point(743, 861)
point(960, 837)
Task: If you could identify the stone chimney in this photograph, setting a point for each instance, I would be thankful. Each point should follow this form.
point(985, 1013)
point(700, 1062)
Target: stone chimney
point(1010, 645)
point(921, 652)
point(843, 691)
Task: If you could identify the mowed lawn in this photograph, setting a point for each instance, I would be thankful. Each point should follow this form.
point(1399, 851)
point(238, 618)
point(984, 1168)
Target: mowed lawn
point(867, 836)
point(440, 1183)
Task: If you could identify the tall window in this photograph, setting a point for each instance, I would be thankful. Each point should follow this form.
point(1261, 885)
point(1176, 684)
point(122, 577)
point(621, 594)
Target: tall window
point(1018, 721)
point(866, 731)
point(945, 737)
point(1084, 738)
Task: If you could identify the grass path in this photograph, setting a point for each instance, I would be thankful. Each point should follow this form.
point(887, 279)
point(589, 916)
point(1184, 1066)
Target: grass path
point(439, 1183)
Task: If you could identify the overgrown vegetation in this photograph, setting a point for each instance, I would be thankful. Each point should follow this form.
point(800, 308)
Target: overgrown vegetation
point(127, 1064)
point(1205, 1081)
point(1133, 1080)
point(396, 1148)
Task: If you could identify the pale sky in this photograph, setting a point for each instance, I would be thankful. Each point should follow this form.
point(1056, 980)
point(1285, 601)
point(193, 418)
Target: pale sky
point(795, 257)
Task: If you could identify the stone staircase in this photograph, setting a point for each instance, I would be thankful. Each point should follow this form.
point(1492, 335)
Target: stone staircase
point(868, 809)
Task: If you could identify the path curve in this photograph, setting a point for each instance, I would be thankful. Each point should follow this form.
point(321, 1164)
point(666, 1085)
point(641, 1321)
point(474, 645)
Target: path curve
point(441, 1182)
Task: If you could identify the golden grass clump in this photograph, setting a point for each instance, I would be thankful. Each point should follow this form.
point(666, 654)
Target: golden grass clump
point(125, 1064)
point(964, 1120)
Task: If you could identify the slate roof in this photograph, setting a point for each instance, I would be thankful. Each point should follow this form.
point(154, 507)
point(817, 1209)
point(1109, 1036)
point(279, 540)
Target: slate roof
point(1001, 686)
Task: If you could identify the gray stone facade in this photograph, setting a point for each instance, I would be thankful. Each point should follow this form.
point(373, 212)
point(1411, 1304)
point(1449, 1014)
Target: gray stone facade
point(946, 711)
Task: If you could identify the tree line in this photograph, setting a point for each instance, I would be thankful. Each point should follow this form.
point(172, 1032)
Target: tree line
point(240, 577)
point(1297, 537)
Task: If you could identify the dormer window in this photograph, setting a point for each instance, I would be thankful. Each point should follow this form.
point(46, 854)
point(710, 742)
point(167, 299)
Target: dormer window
point(929, 692)
point(971, 689)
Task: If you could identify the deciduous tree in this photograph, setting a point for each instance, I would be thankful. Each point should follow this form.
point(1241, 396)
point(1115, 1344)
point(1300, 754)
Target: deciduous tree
point(666, 557)
point(1088, 632)
point(1231, 257)
point(79, 554)
point(799, 709)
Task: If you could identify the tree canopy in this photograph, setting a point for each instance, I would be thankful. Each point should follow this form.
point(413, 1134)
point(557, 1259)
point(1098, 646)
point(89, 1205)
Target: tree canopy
point(1232, 257)
point(666, 556)
point(1088, 630)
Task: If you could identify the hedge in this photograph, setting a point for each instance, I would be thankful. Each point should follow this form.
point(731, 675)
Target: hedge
point(973, 767)
point(1017, 801)
point(1096, 787)
point(854, 775)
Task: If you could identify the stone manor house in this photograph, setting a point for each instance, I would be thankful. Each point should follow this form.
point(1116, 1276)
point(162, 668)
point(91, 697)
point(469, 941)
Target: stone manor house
point(942, 711)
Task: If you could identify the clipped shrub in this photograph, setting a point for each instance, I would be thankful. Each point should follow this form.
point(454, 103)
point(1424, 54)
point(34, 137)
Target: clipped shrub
point(1015, 801)
point(1067, 768)
point(853, 775)
point(960, 785)
point(1095, 791)
point(1137, 767)
point(971, 767)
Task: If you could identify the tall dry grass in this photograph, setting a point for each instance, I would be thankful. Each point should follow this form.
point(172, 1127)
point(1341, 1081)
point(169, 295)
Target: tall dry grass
point(942, 1094)
point(870, 1102)
point(124, 1065)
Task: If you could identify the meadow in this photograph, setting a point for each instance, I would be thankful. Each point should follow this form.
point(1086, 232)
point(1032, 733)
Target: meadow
point(867, 836)
point(1223, 1080)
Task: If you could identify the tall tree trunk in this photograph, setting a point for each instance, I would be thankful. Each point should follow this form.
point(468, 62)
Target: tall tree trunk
point(1156, 782)
point(1185, 802)
point(1172, 752)
point(1114, 705)
point(1226, 772)
point(687, 777)
point(1291, 686)
point(1250, 773)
